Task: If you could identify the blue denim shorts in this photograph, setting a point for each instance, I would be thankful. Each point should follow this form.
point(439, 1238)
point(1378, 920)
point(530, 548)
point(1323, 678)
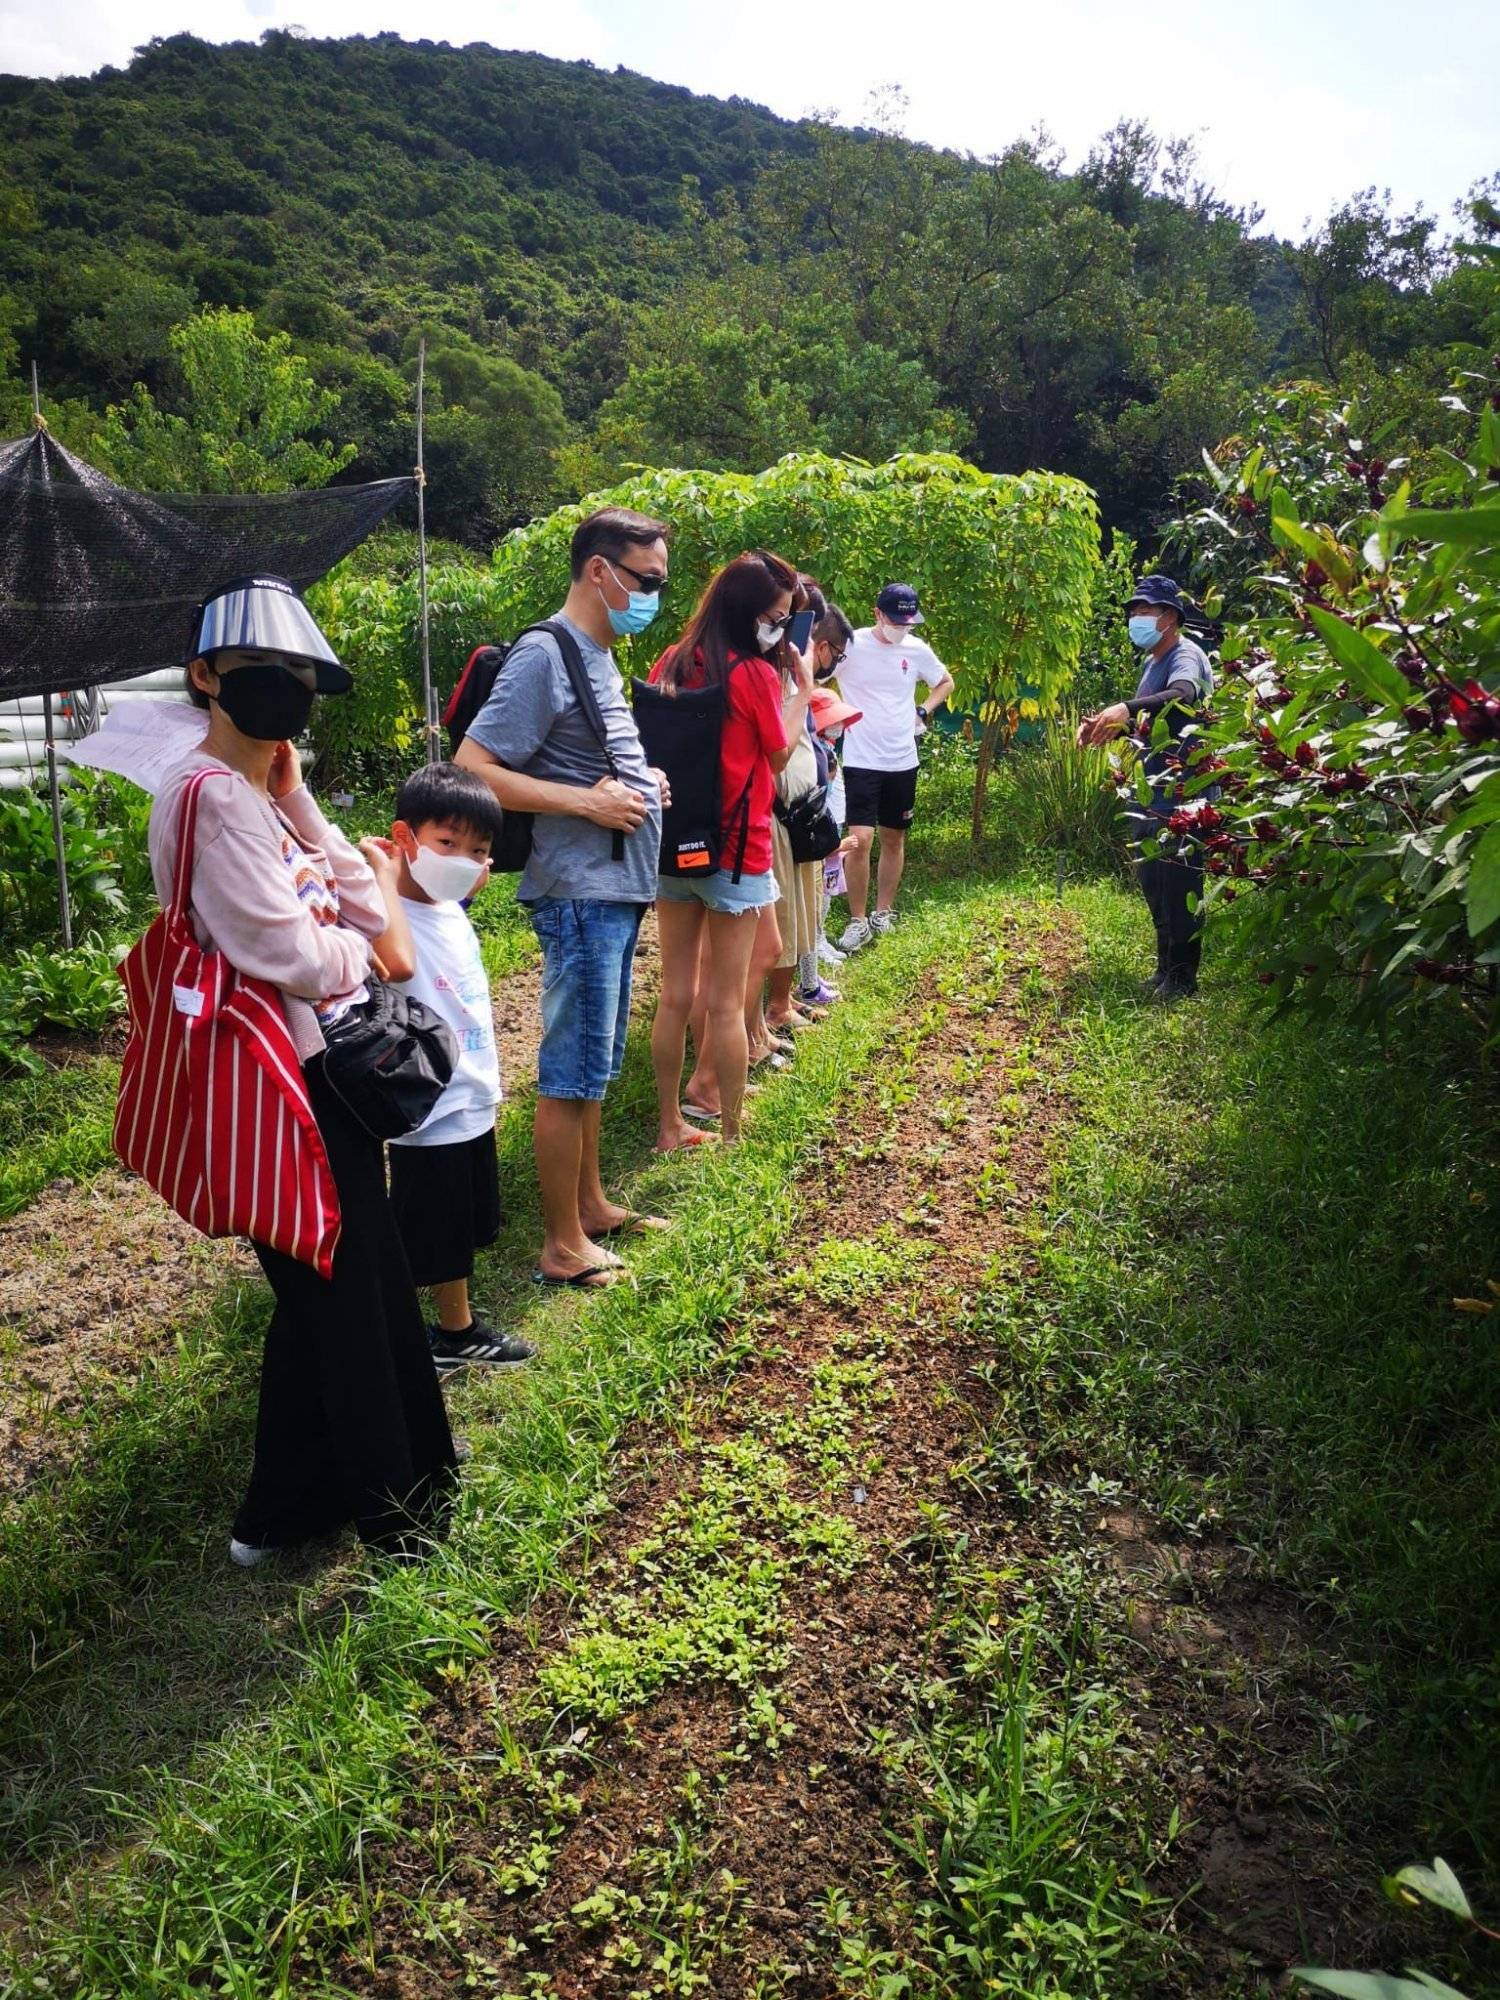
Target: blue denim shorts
point(719, 892)
point(588, 950)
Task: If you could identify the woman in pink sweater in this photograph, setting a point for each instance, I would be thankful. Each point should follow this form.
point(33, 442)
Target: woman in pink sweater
point(351, 1423)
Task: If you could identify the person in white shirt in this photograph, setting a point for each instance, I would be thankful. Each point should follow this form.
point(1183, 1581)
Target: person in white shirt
point(445, 1184)
point(881, 671)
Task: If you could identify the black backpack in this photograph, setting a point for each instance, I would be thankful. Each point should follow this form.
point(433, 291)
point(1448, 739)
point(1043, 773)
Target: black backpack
point(476, 684)
point(681, 734)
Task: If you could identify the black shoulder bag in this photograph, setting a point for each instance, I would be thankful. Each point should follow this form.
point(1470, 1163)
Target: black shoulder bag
point(389, 1060)
point(812, 831)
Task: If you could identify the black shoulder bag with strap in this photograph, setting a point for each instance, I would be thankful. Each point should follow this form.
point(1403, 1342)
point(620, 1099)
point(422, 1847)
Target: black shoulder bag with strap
point(476, 684)
point(682, 734)
point(389, 1058)
point(812, 832)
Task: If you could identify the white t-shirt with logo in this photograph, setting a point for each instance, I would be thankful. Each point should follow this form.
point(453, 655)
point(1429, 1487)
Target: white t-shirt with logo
point(881, 681)
point(450, 979)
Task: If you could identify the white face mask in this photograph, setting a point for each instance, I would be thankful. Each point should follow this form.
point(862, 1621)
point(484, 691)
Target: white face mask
point(447, 878)
point(769, 637)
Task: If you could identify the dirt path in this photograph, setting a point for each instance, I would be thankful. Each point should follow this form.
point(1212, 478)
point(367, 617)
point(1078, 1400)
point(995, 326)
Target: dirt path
point(680, 1774)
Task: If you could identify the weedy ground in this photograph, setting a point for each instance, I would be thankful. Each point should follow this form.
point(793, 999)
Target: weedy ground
point(1029, 1530)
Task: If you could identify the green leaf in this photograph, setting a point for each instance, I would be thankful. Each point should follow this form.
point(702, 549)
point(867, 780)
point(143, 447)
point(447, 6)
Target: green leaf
point(1362, 660)
point(1369, 1985)
point(1474, 527)
point(1437, 1885)
point(1482, 899)
point(1482, 809)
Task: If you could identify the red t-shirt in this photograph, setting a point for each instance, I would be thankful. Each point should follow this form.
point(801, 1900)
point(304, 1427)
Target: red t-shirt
point(752, 731)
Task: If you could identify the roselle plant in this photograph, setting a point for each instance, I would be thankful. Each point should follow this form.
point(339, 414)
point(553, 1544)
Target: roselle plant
point(1354, 745)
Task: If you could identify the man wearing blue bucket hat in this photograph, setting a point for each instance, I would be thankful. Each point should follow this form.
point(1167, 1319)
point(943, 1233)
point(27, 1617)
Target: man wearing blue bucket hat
point(1176, 682)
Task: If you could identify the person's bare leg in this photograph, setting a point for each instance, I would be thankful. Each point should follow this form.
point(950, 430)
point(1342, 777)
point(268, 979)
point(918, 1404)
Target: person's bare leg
point(892, 864)
point(733, 943)
point(702, 1087)
point(451, 1302)
point(679, 931)
point(559, 1137)
point(763, 955)
point(857, 869)
point(596, 1212)
point(779, 1009)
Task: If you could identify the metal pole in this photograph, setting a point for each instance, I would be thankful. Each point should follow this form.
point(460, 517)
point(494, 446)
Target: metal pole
point(58, 844)
point(54, 793)
point(429, 699)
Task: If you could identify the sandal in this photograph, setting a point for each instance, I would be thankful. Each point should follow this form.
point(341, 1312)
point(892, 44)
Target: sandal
point(592, 1278)
point(687, 1143)
point(630, 1224)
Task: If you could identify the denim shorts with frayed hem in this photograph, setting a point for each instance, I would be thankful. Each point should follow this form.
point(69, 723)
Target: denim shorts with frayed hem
point(588, 949)
point(720, 892)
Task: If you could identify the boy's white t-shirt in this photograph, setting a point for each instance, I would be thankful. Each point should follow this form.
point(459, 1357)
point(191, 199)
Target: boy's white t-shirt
point(450, 979)
point(881, 681)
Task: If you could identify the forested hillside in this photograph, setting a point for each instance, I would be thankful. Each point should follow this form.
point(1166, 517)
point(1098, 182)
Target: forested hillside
point(610, 270)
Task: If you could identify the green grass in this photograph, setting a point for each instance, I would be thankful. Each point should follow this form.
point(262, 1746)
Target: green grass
point(54, 1126)
point(1238, 1308)
point(1244, 1311)
point(230, 1856)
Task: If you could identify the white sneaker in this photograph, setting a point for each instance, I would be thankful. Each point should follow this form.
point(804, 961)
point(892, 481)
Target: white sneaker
point(857, 935)
point(829, 953)
point(246, 1554)
point(881, 921)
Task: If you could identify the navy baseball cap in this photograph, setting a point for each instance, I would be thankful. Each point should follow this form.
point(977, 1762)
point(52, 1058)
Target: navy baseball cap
point(1161, 590)
point(898, 602)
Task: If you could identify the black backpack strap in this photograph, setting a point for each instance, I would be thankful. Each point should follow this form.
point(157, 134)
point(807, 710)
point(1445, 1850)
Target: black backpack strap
point(588, 701)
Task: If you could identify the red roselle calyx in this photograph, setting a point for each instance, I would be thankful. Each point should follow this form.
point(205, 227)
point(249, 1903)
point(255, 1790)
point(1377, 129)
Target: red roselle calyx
point(1476, 712)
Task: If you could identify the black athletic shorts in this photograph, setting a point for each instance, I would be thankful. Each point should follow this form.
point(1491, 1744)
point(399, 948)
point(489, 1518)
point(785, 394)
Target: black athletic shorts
point(447, 1204)
point(879, 798)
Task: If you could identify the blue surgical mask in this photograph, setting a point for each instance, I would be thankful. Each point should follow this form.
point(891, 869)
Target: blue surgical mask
point(1144, 632)
point(638, 613)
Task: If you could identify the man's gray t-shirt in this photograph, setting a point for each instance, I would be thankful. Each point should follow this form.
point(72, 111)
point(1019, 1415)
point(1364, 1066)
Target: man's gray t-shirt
point(533, 724)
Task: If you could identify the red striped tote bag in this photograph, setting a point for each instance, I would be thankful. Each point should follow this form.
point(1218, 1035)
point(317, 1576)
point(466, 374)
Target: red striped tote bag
point(212, 1111)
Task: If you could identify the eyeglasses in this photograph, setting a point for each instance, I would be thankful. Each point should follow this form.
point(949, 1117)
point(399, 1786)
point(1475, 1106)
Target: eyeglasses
point(836, 659)
point(646, 582)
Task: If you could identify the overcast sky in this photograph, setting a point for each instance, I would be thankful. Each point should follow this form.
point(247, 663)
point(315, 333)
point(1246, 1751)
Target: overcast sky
point(1294, 105)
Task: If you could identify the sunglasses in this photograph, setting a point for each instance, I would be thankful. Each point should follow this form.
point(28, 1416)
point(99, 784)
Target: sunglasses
point(646, 582)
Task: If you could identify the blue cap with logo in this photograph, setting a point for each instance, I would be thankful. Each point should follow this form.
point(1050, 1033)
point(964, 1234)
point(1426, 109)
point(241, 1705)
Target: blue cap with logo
point(1159, 589)
point(898, 602)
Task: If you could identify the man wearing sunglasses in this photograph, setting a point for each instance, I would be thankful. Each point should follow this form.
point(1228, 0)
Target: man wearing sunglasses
point(539, 753)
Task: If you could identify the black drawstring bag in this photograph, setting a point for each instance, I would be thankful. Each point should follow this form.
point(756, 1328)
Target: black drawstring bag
point(681, 734)
point(389, 1060)
point(812, 831)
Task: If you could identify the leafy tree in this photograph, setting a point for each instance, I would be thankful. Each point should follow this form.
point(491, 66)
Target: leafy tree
point(247, 405)
point(492, 438)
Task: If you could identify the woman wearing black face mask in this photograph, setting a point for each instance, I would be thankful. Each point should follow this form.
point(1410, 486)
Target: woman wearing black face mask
point(351, 1424)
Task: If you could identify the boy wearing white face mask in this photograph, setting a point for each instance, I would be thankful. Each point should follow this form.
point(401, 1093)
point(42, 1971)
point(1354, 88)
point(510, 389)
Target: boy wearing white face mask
point(445, 1187)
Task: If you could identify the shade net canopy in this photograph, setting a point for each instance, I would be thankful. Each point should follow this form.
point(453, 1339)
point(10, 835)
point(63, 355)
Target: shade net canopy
point(98, 584)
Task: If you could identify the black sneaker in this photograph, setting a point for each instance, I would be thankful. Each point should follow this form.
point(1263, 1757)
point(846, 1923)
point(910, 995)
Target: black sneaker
point(479, 1346)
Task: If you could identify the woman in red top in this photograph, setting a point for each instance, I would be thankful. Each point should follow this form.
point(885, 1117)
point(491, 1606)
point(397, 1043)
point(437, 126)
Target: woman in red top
point(735, 639)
